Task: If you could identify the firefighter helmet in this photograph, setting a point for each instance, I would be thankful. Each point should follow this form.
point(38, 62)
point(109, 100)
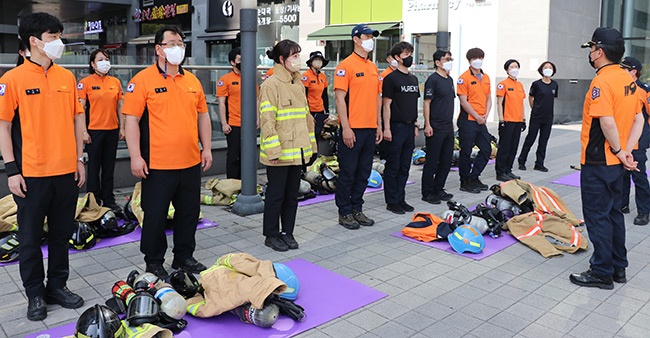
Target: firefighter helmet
point(83, 236)
point(466, 238)
point(288, 277)
point(99, 321)
point(8, 247)
point(375, 180)
point(143, 308)
point(184, 283)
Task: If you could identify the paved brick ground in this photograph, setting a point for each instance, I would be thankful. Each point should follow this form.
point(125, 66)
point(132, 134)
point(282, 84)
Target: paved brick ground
point(514, 293)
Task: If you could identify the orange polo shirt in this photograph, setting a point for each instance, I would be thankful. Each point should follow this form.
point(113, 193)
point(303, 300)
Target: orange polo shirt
point(169, 108)
point(42, 109)
point(477, 92)
point(513, 95)
point(229, 86)
point(383, 75)
point(102, 94)
point(316, 84)
point(359, 77)
point(611, 93)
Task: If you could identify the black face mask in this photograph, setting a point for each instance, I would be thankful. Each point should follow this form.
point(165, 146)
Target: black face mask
point(589, 59)
point(407, 61)
point(238, 65)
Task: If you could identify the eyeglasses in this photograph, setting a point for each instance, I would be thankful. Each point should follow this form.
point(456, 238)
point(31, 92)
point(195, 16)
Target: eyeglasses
point(173, 44)
point(447, 59)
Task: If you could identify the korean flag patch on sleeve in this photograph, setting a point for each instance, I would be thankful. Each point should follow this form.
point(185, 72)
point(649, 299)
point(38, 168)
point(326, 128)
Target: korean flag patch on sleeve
point(3, 88)
point(460, 81)
point(304, 78)
point(130, 87)
point(220, 84)
point(500, 86)
point(595, 93)
point(340, 72)
point(80, 86)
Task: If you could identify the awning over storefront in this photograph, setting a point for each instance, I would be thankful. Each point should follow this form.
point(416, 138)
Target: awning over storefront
point(342, 32)
point(143, 40)
point(222, 35)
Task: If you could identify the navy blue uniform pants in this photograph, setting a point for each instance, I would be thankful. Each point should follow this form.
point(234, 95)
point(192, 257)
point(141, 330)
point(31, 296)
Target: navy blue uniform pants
point(233, 155)
point(440, 150)
point(471, 133)
point(281, 199)
point(355, 165)
point(398, 161)
point(544, 130)
point(601, 190)
point(641, 186)
point(509, 135)
point(182, 187)
point(101, 164)
point(56, 198)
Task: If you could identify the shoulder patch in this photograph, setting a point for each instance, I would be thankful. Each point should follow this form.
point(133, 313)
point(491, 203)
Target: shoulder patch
point(595, 93)
point(304, 78)
point(460, 81)
point(2, 92)
point(80, 86)
point(130, 87)
point(220, 84)
point(500, 86)
point(381, 78)
point(340, 72)
point(3, 88)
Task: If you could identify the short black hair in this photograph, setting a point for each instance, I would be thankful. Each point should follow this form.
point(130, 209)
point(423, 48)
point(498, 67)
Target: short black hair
point(93, 55)
point(509, 62)
point(613, 53)
point(284, 48)
point(160, 34)
point(439, 54)
point(400, 47)
point(475, 53)
point(36, 24)
point(541, 67)
point(21, 48)
point(233, 54)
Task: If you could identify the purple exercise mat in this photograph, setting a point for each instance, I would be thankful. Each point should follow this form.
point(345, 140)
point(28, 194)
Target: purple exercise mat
point(491, 161)
point(133, 236)
point(330, 197)
point(324, 294)
point(573, 179)
point(492, 245)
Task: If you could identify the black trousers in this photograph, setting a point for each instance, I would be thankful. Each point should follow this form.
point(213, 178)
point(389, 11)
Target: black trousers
point(101, 164)
point(323, 145)
point(601, 190)
point(641, 185)
point(233, 156)
point(440, 150)
point(509, 135)
point(471, 133)
point(355, 165)
point(56, 198)
point(398, 161)
point(281, 199)
point(182, 187)
point(544, 130)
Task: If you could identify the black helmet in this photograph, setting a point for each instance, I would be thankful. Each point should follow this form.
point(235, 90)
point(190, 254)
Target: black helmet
point(8, 247)
point(184, 283)
point(83, 236)
point(143, 308)
point(99, 321)
point(106, 224)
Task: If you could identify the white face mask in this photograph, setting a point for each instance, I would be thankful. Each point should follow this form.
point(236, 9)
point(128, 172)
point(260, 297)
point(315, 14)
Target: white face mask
point(394, 63)
point(368, 45)
point(175, 55)
point(54, 49)
point(547, 72)
point(103, 66)
point(447, 66)
point(477, 63)
point(294, 64)
point(514, 72)
point(27, 53)
point(318, 63)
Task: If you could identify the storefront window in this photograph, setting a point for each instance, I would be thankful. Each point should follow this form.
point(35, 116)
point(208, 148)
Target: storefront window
point(631, 18)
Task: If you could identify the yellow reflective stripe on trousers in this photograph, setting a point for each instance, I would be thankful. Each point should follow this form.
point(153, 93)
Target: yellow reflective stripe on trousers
point(312, 137)
point(291, 113)
point(192, 309)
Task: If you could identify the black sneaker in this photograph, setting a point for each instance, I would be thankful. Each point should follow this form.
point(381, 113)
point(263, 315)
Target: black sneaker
point(157, 269)
point(362, 219)
point(479, 185)
point(642, 219)
point(503, 177)
point(290, 240)
point(445, 196)
point(407, 207)
point(348, 222)
point(619, 276)
point(540, 168)
point(468, 186)
point(625, 209)
point(276, 243)
point(189, 264)
point(395, 208)
point(513, 176)
point(522, 167)
point(589, 279)
point(36, 309)
point(63, 297)
point(433, 199)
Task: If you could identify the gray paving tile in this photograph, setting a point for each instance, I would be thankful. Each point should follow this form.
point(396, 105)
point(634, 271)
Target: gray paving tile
point(393, 329)
point(489, 330)
point(641, 320)
point(556, 322)
point(603, 323)
point(632, 331)
point(342, 328)
point(536, 330)
point(367, 320)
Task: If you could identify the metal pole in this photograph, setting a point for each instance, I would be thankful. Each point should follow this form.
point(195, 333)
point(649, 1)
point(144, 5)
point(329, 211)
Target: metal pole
point(442, 36)
point(248, 202)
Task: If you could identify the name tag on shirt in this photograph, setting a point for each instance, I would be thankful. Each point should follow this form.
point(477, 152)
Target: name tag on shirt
point(359, 74)
point(96, 88)
point(511, 89)
point(161, 90)
point(33, 91)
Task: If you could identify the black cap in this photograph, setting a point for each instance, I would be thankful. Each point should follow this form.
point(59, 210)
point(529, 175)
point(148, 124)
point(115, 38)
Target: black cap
point(317, 54)
point(604, 36)
point(362, 28)
point(631, 63)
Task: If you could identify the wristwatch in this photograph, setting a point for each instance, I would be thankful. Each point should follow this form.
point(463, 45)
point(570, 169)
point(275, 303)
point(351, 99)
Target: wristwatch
point(82, 159)
point(615, 152)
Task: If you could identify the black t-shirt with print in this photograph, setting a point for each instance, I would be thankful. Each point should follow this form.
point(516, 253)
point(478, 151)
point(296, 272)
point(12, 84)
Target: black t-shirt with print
point(543, 98)
point(441, 92)
point(404, 91)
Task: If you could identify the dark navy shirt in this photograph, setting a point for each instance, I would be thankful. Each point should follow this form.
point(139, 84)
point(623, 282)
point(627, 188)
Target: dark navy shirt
point(404, 91)
point(543, 98)
point(441, 92)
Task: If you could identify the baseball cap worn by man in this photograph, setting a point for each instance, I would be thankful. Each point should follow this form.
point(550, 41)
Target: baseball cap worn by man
point(362, 28)
point(631, 63)
point(604, 36)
